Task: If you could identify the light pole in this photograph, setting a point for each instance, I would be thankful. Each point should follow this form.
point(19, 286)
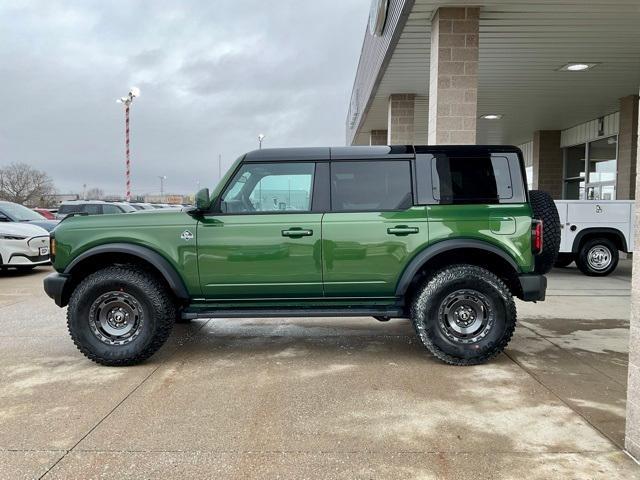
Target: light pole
point(162, 179)
point(126, 101)
point(260, 139)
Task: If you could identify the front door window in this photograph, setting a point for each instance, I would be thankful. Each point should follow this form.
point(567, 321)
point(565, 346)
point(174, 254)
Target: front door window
point(270, 187)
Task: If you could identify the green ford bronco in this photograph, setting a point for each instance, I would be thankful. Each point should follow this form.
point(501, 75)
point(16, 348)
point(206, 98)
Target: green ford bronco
point(443, 236)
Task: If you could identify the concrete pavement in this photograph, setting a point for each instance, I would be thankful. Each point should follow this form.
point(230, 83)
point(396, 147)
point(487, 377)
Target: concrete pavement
point(320, 398)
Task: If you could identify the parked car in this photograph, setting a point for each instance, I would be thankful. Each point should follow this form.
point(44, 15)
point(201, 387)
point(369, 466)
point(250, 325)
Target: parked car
point(594, 232)
point(23, 245)
point(14, 212)
point(142, 206)
point(444, 236)
point(92, 207)
point(48, 214)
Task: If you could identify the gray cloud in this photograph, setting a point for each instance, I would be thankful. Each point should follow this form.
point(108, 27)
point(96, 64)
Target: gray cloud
point(213, 75)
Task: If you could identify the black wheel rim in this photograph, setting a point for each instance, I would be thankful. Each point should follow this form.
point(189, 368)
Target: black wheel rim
point(116, 318)
point(465, 316)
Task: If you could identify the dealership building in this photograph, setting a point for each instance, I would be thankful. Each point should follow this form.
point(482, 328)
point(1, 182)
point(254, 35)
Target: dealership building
point(558, 78)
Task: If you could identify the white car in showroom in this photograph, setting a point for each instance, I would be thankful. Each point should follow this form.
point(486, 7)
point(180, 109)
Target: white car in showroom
point(23, 246)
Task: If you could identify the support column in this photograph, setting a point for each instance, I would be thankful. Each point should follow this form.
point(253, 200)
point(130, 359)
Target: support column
point(453, 79)
point(400, 127)
point(548, 162)
point(627, 148)
point(378, 137)
point(632, 438)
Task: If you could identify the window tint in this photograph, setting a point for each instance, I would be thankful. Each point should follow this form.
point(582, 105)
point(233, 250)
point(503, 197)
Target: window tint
point(92, 209)
point(370, 186)
point(109, 209)
point(270, 187)
point(480, 179)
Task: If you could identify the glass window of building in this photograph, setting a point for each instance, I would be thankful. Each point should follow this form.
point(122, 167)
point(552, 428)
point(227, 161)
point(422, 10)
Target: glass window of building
point(574, 172)
point(590, 170)
point(601, 183)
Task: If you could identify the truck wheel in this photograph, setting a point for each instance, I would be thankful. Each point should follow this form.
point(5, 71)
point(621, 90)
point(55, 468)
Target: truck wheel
point(544, 208)
point(464, 315)
point(597, 257)
point(120, 315)
point(564, 260)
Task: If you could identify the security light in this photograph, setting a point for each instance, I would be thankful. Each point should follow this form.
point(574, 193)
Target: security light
point(492, 116)
point(577, 67)
point(135, 91)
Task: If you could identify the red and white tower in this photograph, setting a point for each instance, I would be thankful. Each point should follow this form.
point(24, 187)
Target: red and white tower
point(127, 101)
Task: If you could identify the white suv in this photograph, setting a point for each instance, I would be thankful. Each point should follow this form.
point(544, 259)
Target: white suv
point(23, 246)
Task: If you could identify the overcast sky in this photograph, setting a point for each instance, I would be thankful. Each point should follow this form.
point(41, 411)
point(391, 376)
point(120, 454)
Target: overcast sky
point(212, 74)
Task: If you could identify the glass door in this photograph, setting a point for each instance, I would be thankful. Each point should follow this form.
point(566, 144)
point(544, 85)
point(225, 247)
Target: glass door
point(601, 167)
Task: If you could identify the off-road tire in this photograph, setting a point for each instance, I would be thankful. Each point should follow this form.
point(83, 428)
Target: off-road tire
point(432, 331)
point(544, 208)
point(564, 260)
point(155, 303)
point(586, 265)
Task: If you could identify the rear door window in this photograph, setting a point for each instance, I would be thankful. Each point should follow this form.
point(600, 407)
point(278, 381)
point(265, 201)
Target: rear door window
point(362, 186)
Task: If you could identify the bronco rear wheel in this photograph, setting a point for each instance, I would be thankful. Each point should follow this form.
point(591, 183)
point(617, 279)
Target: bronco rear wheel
point(464, 315)
point(120, 315)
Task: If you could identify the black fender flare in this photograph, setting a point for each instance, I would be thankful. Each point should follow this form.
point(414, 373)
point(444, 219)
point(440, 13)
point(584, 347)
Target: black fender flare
point(444, 246)
point(163, 266)
point(596, 230)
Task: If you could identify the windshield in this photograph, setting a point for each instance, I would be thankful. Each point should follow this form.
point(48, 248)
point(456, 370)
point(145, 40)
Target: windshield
point(18, 213)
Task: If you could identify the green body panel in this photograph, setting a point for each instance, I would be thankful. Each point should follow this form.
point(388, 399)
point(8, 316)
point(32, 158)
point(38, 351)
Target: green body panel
point(507, 226)
point(362, 258)
point(347, 259)
point(247, 256)
point(159, 231)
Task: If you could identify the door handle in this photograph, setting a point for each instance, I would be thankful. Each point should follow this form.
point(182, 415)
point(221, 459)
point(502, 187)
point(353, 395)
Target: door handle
point(297, 233)
point(402, 230)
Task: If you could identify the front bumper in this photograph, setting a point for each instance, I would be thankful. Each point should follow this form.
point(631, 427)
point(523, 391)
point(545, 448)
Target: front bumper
point(534, 287)
point(54, 286)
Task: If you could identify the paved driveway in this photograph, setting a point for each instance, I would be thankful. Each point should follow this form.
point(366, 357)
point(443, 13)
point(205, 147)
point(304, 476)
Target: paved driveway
point(320, 398)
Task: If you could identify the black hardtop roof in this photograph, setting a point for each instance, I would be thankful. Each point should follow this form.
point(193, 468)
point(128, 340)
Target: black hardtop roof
point(364, 152)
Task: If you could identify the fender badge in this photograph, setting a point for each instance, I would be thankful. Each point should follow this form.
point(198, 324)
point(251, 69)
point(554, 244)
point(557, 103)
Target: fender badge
point(186, 235)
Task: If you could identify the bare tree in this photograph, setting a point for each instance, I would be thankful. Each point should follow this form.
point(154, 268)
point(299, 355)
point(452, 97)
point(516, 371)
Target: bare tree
point(95, 194)
point(25, 185)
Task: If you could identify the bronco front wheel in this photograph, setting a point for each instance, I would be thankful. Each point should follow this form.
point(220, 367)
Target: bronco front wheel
point(120, 315)
point(464, 315)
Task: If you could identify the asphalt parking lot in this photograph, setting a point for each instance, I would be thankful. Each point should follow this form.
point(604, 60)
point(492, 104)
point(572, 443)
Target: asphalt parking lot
point(320, 398)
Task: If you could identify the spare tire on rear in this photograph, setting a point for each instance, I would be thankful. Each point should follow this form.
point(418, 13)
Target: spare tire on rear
point(544, 208)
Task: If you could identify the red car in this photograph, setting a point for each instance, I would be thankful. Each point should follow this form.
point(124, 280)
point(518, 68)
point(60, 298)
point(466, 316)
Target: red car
point(45, 213)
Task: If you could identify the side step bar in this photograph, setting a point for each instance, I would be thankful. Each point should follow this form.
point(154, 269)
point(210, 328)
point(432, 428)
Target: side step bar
point(392, 312)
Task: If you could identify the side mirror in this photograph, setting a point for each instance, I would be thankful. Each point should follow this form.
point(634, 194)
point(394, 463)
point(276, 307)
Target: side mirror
point(3, 218)
point(202, 199)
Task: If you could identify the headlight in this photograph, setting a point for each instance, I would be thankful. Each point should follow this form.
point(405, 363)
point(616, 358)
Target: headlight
point(12, 237)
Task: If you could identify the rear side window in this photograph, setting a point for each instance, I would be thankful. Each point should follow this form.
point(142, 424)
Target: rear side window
point(69, 208)
point(108, 209)
point(92, 209)
point(371, 186)
point(466, 179)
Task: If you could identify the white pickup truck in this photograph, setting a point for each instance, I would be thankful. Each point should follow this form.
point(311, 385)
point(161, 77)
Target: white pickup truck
point(594, 232)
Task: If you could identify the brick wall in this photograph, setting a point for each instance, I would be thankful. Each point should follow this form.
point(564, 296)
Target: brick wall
point(453, 87)
point(378, 137)
point(548, 162)
point(401, 117)
point(627, 148)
